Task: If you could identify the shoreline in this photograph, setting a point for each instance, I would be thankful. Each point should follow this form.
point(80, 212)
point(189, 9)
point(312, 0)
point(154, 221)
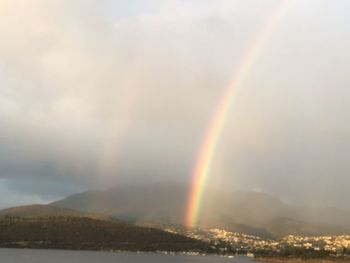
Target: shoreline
point(126, 252)
point(119, 251)
point(301, 260)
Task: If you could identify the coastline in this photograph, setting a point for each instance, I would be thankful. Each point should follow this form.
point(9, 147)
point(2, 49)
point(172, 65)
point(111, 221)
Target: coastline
point(301, 260)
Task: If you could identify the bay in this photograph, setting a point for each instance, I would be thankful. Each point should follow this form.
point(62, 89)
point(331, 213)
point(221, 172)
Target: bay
point(65, 256)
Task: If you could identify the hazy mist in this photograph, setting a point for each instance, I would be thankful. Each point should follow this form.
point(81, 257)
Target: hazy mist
point(95, 93)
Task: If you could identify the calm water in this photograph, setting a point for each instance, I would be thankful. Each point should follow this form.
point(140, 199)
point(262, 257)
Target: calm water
point(60, 256)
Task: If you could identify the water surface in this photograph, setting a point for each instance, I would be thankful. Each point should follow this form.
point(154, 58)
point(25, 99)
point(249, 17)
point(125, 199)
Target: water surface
point(66, 256)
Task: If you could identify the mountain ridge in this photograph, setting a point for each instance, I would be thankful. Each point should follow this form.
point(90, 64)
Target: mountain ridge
point(251, 212)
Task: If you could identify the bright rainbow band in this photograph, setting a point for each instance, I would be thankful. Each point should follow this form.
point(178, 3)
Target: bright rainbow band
point(217, 123)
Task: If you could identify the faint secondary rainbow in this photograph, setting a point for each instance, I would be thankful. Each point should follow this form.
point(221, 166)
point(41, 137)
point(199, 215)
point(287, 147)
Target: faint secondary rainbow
point(207, 151)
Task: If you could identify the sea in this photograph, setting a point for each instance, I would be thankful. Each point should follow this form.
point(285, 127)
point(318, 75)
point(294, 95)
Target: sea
point(67, 256)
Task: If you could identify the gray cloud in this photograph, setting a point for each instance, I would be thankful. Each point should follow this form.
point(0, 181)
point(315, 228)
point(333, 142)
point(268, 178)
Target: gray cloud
point(100, 92)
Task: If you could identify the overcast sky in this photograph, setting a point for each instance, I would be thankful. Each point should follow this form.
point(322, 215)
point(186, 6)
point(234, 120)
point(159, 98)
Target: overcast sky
point(95, 93)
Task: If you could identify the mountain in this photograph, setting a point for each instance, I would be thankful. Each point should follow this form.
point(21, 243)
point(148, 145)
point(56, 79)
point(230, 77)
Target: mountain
point(248, 212)
point(163, 203)
point(71, 232)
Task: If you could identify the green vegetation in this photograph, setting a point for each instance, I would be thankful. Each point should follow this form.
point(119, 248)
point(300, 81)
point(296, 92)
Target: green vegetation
point(65, 232)
point(303, 253)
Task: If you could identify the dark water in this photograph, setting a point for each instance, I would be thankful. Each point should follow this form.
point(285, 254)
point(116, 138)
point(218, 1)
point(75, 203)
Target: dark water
point(62, 256)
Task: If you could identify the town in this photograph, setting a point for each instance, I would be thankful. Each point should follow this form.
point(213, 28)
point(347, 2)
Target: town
point(292, 245)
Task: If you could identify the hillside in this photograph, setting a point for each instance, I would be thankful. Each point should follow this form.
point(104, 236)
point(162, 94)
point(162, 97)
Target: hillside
point(66, 232)
point(162, 203)
point(30, 211)
point(282, 227)
point(248, 212)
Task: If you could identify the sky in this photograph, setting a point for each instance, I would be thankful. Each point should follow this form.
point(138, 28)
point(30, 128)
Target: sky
point(95, 93)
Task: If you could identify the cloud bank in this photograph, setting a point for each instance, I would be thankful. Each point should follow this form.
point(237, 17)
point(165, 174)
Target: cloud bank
point(94, 93)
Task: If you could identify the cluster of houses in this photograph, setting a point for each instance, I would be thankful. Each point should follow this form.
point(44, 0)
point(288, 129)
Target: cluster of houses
point(327, 243)
point(246, 243)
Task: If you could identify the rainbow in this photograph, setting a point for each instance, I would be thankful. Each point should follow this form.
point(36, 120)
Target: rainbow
point(207, 150)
